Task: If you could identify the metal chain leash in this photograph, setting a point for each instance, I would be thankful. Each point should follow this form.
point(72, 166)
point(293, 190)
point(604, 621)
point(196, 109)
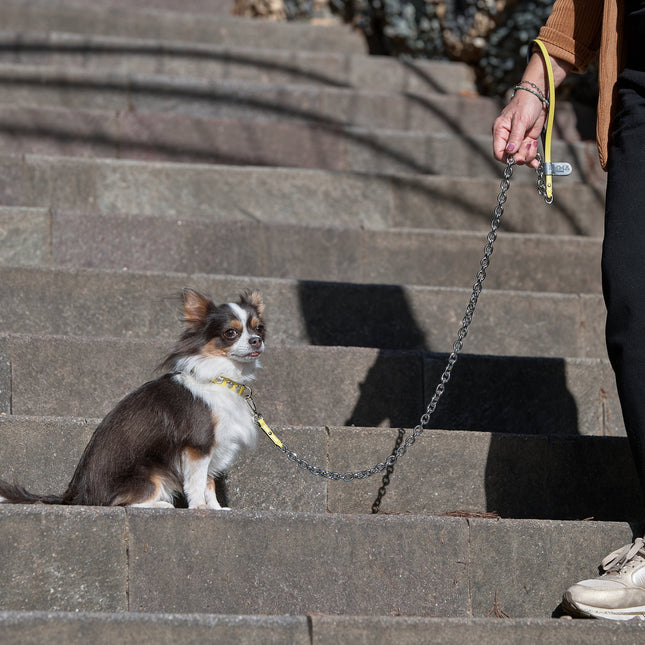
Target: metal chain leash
point(445, 377)
point(541, 181)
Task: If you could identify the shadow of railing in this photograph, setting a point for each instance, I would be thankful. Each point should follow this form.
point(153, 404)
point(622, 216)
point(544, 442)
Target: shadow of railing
point(431, 83)
point(337, 129)
point(325, 140)
point(23, 45)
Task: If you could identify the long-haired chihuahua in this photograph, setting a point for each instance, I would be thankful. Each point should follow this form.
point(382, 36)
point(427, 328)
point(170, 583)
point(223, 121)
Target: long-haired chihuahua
point(176, 434)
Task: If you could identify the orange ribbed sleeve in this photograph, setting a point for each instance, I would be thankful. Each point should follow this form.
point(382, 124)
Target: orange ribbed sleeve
point(572, 32)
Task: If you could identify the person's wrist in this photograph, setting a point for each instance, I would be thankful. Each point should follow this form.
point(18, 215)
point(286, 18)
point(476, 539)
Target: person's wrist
point(531, 89)
point(541, 91)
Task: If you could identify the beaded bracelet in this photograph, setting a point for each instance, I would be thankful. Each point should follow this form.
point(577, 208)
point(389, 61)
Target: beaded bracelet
point(537, 94)
point(534, 86)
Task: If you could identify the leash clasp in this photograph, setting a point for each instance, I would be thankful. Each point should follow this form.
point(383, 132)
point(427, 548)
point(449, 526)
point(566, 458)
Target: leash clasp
point(557, 169)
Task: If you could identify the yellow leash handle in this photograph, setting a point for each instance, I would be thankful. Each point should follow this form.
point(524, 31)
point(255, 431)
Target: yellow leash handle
point(548, 131)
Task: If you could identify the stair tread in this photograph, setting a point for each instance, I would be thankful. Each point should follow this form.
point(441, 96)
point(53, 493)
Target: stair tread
point(223, 7)
point(236, 141)
point(25, 15)
point(430, 257)
point(235, 62)
point(158, 91)
point(464, 573)
point(59, 301)
point(291, 195)
point(369, 387)
point(464, 472)
point(29, 628)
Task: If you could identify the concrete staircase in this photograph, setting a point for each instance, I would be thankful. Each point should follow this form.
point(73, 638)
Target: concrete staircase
point(149, 148)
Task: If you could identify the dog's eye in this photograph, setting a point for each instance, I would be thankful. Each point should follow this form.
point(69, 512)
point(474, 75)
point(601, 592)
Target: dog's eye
point(259, 329)
point(231, 333)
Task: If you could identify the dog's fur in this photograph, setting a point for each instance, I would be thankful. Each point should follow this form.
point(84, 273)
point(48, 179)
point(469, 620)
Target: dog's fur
point(177, 433)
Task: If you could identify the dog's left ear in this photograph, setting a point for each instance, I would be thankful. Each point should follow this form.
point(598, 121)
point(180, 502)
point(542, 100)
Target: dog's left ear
point(254, 299)
point(196, 308)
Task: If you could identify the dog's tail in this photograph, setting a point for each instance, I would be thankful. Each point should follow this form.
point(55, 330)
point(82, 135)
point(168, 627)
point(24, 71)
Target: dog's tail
point(14, 494)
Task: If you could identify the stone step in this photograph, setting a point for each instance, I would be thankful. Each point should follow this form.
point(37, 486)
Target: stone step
point(309, 197)
point(300, 385)
point(123, 87)
point(253, 562)
point(261, 142)
point(103, 628)
point(235, 61)
point(76, 628)
point(127, 304)
point(520, 262)
point(122, 91)
point(445, 471)
point(100, 20)
point(217, 7)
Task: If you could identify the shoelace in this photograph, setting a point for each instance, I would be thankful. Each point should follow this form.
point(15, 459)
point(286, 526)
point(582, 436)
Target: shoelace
point(616, 560)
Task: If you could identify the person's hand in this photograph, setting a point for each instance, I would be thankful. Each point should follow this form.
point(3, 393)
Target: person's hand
point(517, 129)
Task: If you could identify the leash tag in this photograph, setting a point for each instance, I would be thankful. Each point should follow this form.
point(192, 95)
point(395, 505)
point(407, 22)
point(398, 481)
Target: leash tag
point(269, 433)
point(557, 169)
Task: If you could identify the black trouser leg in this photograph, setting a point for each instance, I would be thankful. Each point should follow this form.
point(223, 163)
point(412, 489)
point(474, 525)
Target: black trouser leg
point(623, 265)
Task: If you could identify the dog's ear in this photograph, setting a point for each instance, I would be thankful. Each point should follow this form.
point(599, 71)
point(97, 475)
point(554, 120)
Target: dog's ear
point(254, 299)
point(196, 308)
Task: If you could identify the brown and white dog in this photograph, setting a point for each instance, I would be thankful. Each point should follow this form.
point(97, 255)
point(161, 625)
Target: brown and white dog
point(177, 433)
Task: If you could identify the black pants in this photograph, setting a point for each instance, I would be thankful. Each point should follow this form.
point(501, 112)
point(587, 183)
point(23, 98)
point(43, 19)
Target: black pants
point(623, 262)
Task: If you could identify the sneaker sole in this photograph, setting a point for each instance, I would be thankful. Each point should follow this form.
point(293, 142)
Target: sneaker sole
point(581, 610)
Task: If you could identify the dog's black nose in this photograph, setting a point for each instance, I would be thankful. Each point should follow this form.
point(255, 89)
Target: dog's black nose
point(255, 341)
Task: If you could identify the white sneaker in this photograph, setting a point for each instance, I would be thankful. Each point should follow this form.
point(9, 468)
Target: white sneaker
point(618, 594)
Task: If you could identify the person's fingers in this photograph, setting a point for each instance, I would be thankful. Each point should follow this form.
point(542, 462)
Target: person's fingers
point(516, 130)
point(527, 151)
point(531, 148)
point(517, 139)
point(501, 133)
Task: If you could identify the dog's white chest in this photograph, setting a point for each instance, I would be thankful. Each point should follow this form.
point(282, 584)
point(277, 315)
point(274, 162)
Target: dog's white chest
point(234, 423)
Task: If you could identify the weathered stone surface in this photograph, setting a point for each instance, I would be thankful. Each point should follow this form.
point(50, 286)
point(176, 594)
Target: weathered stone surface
point(282, 563)
point(63, 559)
point(368, 387)
point(32, 628)
point(320, 144)
point(129, 304)
point(290, 196)
point(403, 257)
point(514, 573)
point(5, 377)
point(515, 476)
point(25, 236)
point(212, 60)
point(382, 630)
point(111, 80)
point(185, 26)
point(165, 85)
point(40, 453)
